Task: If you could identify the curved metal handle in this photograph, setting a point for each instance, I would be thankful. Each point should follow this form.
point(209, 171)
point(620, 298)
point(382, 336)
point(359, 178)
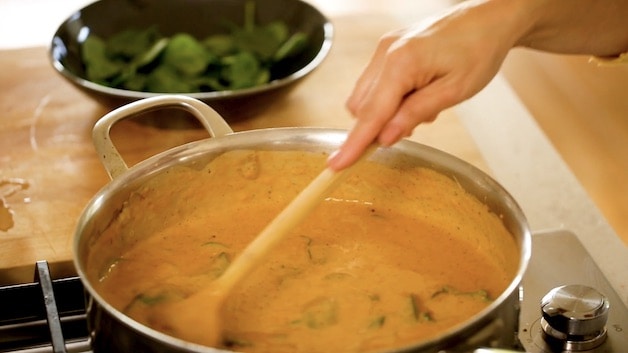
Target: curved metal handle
point(108, 153)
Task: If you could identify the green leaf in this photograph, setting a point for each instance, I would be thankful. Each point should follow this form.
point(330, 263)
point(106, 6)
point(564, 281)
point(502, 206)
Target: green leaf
point(260, 42)
point(293, 46)
point(144, 60)
point(215, 244)
point(262, 77)
point(220, 44)
point(219, 264)
point(418, 314)
point(98, 66)
point(320, 313)
point(249, 15)
point(135, 83)
point(377, 322)
point(132, 42)
point(209, 83)
point(241, 70)
point(263, 41)
point(151, 54)
point(164, 79)
point(186, 55)
point(278, 30)
point(479, 294)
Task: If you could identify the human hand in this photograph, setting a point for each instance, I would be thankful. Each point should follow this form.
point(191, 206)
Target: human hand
point(417, 72)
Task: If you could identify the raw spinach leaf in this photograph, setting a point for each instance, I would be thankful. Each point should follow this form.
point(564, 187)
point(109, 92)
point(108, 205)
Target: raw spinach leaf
point(145, 60)
point(243, 70)
point(99, 67)
point(186, 55)
point(130, 43)
point(165, 79)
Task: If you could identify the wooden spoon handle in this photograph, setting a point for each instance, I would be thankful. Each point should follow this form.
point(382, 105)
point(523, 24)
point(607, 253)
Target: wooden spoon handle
point(296, 211)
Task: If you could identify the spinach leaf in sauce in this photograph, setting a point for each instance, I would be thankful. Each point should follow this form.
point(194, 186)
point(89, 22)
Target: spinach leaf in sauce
point(480, 294)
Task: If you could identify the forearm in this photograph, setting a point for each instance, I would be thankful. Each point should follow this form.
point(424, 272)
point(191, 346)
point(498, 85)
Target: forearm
point(592, 27)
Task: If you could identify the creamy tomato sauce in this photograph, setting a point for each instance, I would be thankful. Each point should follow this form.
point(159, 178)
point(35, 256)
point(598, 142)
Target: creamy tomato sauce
point(392, 257)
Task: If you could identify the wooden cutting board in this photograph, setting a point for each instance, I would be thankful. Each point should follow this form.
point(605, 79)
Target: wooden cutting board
point(49, 169)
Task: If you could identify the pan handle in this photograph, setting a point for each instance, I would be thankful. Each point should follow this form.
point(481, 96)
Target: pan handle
point(108, 153)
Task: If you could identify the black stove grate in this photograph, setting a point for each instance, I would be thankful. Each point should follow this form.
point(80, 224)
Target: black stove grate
point(44, 316)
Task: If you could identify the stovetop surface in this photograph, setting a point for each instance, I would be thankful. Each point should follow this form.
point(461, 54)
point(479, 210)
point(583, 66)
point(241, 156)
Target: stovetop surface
point(558, 258)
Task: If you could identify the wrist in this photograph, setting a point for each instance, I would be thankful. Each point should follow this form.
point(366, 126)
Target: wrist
point(587, 27)
point(517, 20)
point(531, 21)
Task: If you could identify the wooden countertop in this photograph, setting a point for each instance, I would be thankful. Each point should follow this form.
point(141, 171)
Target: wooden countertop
point(583, 109)
point(49, 169)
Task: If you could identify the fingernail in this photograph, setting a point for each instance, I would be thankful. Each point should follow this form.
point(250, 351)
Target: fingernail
point(333, 156)
point(334, 161)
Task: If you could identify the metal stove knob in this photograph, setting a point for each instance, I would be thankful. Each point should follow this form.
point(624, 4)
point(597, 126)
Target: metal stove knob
point(574, 317)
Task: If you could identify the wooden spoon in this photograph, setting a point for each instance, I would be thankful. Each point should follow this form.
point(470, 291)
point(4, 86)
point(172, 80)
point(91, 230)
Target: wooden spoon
point(204, 324)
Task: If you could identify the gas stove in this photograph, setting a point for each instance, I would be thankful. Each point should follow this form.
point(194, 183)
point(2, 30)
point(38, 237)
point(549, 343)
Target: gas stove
point(566, 305)
point(44, 316)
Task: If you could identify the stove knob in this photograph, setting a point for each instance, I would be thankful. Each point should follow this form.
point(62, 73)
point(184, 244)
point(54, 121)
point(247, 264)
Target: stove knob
point(574, 317)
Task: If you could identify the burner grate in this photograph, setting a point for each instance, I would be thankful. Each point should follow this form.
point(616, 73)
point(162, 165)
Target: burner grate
point(44, 316)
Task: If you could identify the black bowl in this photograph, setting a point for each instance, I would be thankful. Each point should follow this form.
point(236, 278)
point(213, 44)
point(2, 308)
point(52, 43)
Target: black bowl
point(199, 18)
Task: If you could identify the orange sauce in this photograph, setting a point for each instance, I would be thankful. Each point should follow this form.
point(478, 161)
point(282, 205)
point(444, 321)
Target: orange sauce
point(392, 257)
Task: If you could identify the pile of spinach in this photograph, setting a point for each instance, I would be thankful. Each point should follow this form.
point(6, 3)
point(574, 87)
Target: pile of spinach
point(145, 60)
